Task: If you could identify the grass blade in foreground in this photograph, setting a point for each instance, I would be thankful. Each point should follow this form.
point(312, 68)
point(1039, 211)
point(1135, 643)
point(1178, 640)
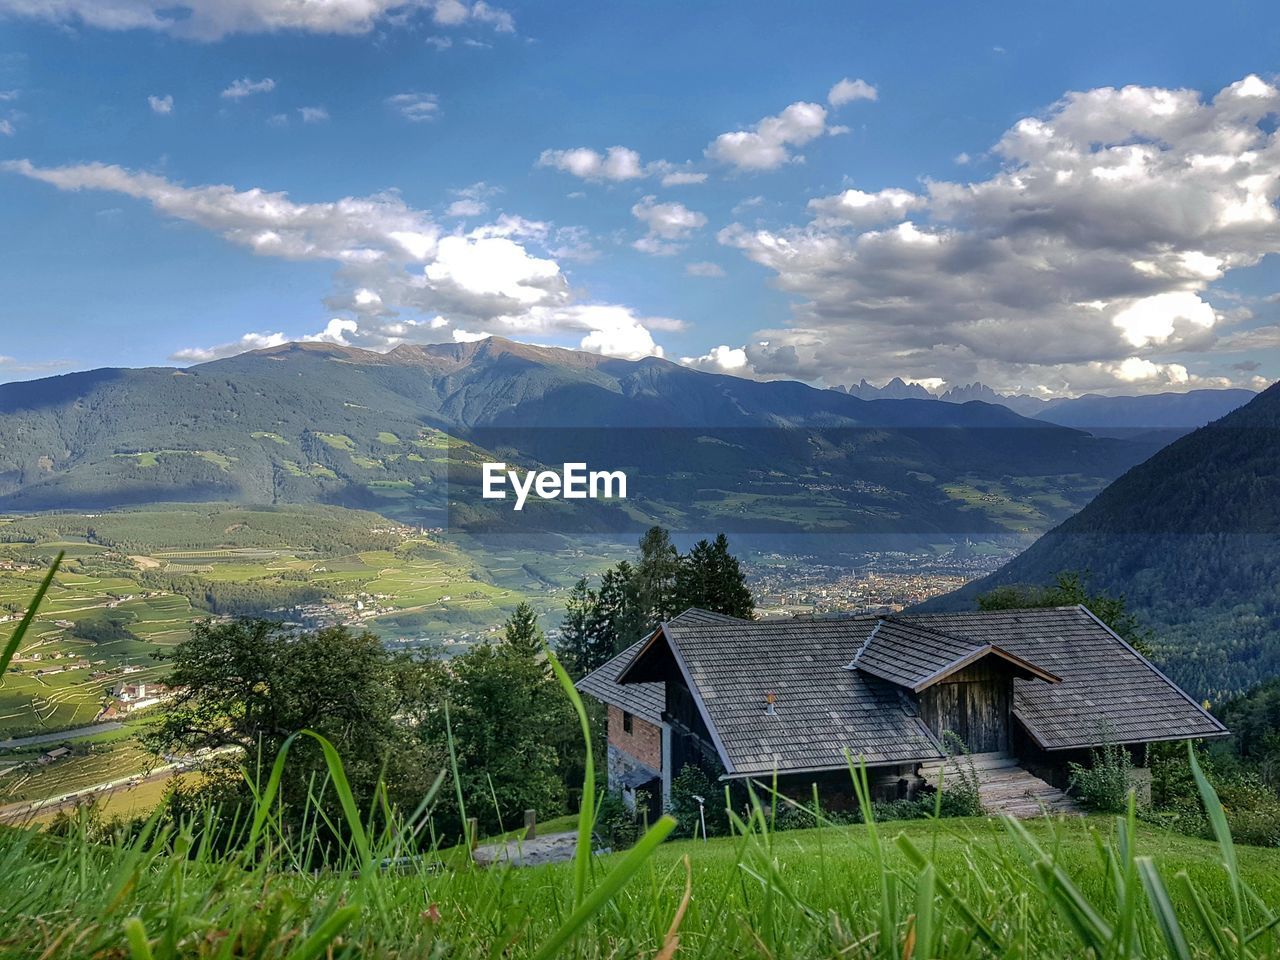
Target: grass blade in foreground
point(24, 625)
point(586, 813)
point(631, 862)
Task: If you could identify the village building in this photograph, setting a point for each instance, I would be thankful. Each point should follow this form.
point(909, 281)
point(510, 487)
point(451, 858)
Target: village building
point(1024, 693)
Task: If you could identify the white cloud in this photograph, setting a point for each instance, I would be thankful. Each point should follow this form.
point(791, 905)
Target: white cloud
point(704, 269)
point(161, 105)
point(616, 163)
point(681, 178)
point(415, 107)
point(1085, 262)
point(6, 128)
point(721, 359)
point(250, 341)
point(865, 209)
point(336, 331)
point(667, 223)
point(671, 220)
point(214, 19)
point(769, 144)
point(847, 91)
point(313, 114)
point(245, 87)
point(399, 275)
point(472, 200)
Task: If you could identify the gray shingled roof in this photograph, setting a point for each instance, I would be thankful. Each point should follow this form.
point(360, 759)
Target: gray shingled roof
point(644, 700)
point(822, 710)
point(1108, 690)
point(915, 657)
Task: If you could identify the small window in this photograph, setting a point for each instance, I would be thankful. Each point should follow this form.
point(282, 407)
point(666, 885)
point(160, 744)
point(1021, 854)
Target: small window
point(626, 722)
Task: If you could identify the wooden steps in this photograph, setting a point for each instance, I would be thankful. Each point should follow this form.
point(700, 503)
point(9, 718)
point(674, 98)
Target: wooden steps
point(1003, 786)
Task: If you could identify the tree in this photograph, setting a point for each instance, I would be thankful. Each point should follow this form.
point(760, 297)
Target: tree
point(522, 633)
point(1068, 590)
point(506, 716)
point(657, 578)
point(252, 684)
point(711, 578)
point(578, 647)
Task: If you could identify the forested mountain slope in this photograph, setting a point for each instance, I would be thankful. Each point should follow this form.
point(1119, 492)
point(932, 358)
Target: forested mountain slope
point(1191, 538)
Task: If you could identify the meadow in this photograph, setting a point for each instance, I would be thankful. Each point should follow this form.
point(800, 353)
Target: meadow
point(221, 883)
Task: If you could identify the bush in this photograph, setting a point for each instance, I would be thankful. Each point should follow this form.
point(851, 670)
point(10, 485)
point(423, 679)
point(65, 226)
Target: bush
point(961, 796)
point(1104, 785)
point(693, 782)
point(616, 824)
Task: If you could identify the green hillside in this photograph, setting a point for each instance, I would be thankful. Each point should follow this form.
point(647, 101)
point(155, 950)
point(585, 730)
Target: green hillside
point(1191, 539)
point(133, 581)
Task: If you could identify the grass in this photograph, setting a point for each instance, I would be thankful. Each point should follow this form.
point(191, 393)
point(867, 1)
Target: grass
point(934, 889)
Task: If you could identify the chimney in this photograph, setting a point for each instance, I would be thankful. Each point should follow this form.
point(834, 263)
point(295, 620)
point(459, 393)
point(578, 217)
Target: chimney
point(769, 700)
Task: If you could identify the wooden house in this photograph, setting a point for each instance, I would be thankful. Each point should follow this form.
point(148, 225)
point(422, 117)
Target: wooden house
point(1023, 692)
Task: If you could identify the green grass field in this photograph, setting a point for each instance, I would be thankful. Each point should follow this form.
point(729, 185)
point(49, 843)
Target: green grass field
point(954, 888)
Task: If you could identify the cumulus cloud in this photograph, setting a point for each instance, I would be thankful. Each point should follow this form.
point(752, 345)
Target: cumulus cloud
point(667, 223)
point(400, 276)
point(161, 105)
point(1084, 262)
point(865, 209)
point(335, 331)
point(415, 107)
point(771, 142)
point(847, 91)
point(616, 164)
point(246, 87)
point(214, 19)
point(313, 114)
point(721, 359)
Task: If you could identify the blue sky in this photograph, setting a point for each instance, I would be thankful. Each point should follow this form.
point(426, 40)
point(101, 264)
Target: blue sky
point(1051, 199)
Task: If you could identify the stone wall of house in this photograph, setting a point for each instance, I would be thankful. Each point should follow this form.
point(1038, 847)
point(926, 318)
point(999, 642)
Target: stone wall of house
point(643, 743)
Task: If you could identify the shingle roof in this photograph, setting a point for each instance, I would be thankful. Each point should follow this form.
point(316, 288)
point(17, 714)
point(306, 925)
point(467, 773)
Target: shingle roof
point(644, 700)
point(822, 710)
point(915, 657)
point(1108, 692)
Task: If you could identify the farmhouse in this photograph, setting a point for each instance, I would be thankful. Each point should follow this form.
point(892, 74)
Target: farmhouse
point(1023, 692)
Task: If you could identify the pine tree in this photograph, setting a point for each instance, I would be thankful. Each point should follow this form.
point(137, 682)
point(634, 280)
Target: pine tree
point(522, 633)
point(711, 579)
point(576, 648)
point(732, 597)
point(657, 578)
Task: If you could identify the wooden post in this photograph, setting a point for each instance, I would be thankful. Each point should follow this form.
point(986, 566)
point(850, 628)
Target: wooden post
point(473, 832)
point(530, 824)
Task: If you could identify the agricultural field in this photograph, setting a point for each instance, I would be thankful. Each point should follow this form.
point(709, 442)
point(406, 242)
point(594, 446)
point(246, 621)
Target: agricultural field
point(132, 582)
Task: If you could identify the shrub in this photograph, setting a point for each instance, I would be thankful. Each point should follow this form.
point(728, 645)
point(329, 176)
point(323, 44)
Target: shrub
point(961, 796)
point(1104, 785)
point(616, 824)
point(693, 782)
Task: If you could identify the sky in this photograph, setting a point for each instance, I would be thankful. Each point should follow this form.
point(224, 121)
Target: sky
point(1051, 199)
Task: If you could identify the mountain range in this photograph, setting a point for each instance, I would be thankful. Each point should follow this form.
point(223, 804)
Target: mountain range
point(1166, 412)
point(404, 432)
point(1191, 539)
